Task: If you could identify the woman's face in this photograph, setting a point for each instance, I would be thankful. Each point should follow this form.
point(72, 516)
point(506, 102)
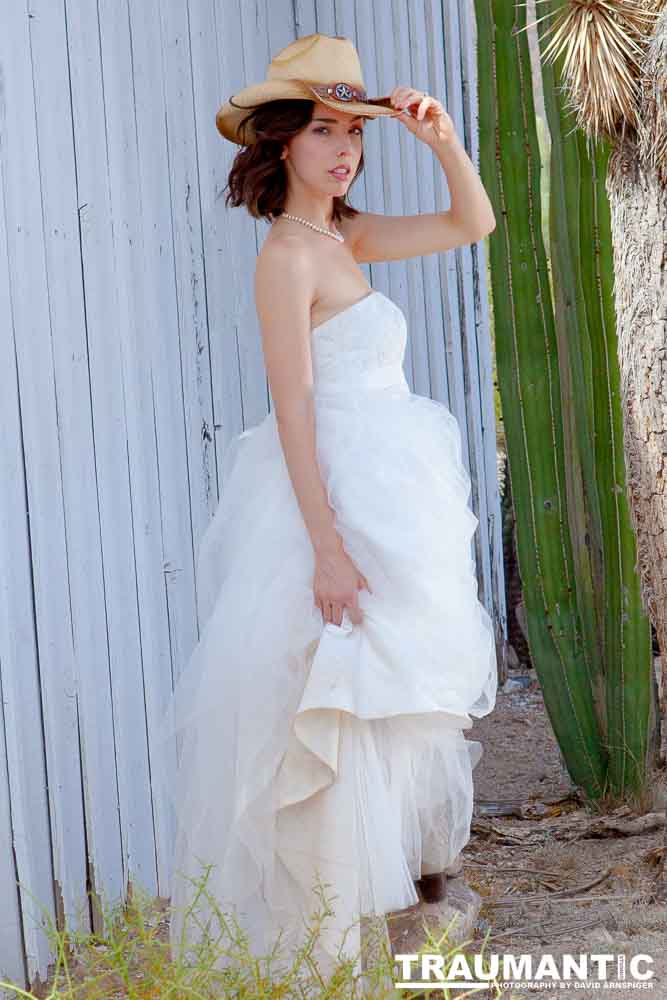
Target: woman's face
point(331, 139)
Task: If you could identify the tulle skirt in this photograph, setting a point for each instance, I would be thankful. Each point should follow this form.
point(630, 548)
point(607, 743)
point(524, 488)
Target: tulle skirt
point(330, 758)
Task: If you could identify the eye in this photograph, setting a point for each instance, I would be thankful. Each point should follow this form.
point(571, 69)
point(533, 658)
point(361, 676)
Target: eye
point(323, 128)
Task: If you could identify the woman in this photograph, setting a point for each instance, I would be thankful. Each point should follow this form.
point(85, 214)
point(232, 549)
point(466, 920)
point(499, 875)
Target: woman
point(343, 648)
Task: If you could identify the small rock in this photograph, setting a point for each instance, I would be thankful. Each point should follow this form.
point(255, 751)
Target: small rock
point(519, 683)
point(460, 905)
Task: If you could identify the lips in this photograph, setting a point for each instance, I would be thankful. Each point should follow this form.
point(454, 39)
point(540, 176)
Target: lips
point(340, 173)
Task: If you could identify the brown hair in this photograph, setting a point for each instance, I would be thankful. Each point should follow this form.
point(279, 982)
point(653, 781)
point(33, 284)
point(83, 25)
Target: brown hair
point(258, 178)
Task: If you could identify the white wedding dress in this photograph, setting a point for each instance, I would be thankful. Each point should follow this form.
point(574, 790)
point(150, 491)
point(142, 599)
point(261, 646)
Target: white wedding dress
point(336, 752)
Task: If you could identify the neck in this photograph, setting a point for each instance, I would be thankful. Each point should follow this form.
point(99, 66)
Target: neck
point(316, 210)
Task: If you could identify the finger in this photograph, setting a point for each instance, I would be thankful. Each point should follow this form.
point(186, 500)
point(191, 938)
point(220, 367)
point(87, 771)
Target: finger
point(408, 119)
point(414, 96)
point(401, 95)
point(396, 92)
point(336, 613)
point(354, 611)
point(423, 105)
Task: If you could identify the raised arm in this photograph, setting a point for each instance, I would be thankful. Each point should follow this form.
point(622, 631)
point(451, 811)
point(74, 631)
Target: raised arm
point(284, 290)
point(469, 218)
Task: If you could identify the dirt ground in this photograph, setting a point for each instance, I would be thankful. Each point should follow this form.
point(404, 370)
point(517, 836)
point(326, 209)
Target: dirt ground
point(532, 840)
point(547, 842)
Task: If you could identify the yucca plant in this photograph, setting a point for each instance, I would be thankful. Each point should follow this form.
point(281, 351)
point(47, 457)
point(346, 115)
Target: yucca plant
point(602, 43)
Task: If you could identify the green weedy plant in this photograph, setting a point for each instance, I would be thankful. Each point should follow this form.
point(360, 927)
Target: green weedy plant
point(131, 960)
point(558, 377)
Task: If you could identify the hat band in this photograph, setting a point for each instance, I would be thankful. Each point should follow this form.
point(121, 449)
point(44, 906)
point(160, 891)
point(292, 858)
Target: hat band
point(340, 91)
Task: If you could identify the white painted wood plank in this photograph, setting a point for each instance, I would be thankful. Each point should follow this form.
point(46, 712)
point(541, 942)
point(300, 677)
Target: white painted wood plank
point(442, 84)
point(31, 838)
point(191, 303)
point(377, 273)
point(326, 17)
point(432, 28)
point(280, 26)
point(76, 445)
point(391, 160)
point(171, 256)
point(45, 501)
point(119, 633)
point(427, 162)
point(409, 153)
point(12, 963)
point(492, 582)
point(147, 625)
point(235, 342)
point(194, 158)
point(157, 407)
point(479, 381)
point(305, 19)
point(455, 41)
point(210, 29)
point(256, 57)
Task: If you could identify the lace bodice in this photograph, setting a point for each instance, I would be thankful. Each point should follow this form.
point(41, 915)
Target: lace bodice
point(361, 347)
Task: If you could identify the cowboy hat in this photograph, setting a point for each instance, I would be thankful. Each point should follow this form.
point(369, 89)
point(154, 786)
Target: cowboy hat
point(313, 68)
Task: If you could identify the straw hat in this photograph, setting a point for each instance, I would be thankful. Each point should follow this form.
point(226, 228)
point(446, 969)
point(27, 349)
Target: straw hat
point(315, 68)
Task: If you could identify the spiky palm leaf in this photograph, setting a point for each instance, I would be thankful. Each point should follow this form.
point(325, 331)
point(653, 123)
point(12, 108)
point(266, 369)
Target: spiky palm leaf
point(653, 118)
point(602, 42)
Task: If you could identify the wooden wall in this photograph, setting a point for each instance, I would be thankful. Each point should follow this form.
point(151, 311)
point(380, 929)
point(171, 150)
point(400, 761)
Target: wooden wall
point(130, 354)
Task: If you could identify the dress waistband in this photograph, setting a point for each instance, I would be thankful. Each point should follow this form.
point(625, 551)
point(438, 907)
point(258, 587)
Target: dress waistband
point(383, 377)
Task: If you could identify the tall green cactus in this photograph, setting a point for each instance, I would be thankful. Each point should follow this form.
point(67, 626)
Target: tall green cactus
point(558, 381)
point(582, 264)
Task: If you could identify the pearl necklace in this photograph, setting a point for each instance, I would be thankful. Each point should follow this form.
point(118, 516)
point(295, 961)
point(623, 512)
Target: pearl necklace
point(319, 229)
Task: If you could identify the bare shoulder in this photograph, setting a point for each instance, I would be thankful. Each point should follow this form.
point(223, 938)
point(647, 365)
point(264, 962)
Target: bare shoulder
point(283, 255)
point(284, 282)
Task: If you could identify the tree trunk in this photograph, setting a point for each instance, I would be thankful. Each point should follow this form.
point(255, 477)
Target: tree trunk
point(638, 205)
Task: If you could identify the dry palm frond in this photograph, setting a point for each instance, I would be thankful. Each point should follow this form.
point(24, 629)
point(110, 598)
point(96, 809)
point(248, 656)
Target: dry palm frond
point(653, 118)
point(603, 42)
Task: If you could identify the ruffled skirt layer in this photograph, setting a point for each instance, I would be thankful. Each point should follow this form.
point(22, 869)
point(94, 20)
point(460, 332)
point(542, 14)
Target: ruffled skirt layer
point(331, 756)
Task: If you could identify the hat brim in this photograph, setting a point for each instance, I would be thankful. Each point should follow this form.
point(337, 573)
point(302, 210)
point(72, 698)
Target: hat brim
point(232, 112)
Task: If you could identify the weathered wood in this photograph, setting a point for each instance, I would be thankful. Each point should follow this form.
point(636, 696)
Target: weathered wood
point(48, 655)
point(26, 848)
point(131, 355)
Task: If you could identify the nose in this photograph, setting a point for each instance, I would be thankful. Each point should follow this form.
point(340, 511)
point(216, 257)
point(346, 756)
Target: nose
point(347, 146)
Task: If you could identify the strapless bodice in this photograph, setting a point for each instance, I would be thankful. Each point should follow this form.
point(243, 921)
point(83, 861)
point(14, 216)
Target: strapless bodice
point(359, 349)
